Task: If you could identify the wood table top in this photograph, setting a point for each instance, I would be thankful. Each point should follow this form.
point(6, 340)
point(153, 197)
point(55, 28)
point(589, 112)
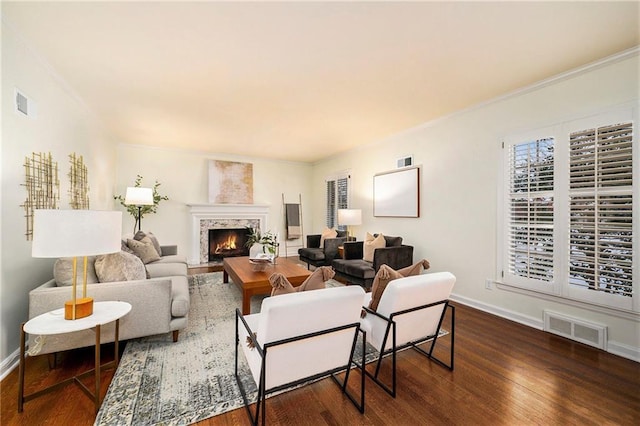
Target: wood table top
point(242, 269)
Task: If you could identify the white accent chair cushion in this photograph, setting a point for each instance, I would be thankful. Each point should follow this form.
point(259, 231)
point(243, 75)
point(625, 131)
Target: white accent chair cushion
point(297, 314)
point(406, 293)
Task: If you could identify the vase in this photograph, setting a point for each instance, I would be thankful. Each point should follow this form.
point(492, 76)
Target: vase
point(257, 251)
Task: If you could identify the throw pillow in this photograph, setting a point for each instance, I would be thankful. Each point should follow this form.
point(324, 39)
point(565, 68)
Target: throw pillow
point(144, 250)
point(386, 274)
point(63, 271)
point(327, 233)
point(315, 281)
point(121, 266)
point(125, 247)
point(370, 244)
point(140, 235)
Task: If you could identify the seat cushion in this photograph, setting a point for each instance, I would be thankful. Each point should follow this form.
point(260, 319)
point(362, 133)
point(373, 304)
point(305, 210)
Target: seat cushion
point(355, 267)
point(311, 253)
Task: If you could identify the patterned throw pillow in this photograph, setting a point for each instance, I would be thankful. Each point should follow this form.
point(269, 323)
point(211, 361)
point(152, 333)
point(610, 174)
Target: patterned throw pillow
point(371, 243)
point(120, 266)
point(144, 249)
point(63, 271)
point(141, 235)
point(386, 274)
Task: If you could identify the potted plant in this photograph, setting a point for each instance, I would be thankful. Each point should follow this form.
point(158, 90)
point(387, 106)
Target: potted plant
point(258, 242)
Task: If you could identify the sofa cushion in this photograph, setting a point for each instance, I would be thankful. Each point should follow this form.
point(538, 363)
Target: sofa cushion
point(370, 244)
point(63, 271)
point(144, 249)
point(141, 235)
point(327, 233)
point(121, 266)
point(169, 269)
point(386, 274)
point(355, 267)
point(173, 258)
point(311, 253)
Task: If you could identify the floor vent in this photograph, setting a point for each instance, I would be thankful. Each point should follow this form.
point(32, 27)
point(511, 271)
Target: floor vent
point(576, 329)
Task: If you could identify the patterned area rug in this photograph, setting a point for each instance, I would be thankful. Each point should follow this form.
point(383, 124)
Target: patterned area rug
point(161, 382)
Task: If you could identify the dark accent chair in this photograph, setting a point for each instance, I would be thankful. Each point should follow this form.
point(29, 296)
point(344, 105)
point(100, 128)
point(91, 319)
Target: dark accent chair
point(355, 270)
point(317, 256)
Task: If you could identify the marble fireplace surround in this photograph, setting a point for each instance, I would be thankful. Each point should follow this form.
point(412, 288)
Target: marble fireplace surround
point(221, 216)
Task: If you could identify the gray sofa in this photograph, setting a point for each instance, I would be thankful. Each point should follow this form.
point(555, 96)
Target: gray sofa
point(159, 304)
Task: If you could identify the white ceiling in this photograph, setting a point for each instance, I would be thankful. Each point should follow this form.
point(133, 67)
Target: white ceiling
point(302, 81)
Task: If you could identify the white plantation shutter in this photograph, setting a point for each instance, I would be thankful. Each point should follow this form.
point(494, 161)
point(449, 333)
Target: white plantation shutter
point(337, 190)
point(569, 229)
point(331, 203)
point(601, 209)
point(530, 212)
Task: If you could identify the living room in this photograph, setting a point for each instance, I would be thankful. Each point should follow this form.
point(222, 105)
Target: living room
point(459, 154)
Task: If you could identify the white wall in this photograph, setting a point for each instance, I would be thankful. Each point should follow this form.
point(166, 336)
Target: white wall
point(183, 176)
point(62, 126)
point(460, 158)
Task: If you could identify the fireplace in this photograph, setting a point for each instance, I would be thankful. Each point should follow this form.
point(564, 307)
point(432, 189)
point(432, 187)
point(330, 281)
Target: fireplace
point(222, 217)
point(227, 243)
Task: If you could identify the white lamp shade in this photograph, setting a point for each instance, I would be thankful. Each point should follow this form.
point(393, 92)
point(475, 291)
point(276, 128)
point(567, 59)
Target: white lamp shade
point(349, 217)
point(139, 196)
point(70, 233)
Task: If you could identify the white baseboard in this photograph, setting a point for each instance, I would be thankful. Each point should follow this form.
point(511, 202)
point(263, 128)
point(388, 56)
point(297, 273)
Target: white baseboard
point(501, 312)
point(615, 348)
point(7, 365)
point(624, 351)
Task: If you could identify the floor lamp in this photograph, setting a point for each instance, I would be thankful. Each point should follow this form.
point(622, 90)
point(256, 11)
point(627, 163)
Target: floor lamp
point(349, 217)
point(72, 233)
point(139, 197)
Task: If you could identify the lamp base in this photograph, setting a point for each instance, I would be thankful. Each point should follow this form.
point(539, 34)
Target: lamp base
point(84, 308)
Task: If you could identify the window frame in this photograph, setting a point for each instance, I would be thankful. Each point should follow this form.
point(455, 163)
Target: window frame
point(339, 204)
point(560, 286)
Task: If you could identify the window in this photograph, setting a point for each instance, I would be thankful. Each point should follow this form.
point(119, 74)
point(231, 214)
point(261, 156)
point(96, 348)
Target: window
point(569, 211)
point(531, 210)
point(337, 189)
point(601, 209)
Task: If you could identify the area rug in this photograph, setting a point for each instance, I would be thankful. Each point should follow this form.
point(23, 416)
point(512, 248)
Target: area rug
point(159, 382)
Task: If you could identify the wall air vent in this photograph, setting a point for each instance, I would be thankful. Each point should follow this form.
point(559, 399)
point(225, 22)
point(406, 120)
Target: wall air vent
point(24, 105)
point(404, 161)
point(576, 329)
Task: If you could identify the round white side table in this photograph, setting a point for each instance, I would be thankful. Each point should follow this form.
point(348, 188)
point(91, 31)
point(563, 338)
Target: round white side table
point(53, 322)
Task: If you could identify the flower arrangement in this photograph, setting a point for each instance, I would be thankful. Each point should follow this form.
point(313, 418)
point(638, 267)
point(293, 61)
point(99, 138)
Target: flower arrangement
point(269, 240)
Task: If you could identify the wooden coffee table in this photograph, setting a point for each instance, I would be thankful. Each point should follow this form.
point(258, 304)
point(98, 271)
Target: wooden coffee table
point(251, 282)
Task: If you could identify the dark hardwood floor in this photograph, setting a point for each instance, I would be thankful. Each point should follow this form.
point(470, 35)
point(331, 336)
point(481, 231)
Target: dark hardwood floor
point(505, 374)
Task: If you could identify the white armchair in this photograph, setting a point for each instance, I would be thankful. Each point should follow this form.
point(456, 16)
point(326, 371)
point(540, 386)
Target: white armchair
point(410, 312)
point(298, 337)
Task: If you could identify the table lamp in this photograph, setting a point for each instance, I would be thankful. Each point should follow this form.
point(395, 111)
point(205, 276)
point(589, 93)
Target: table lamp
point(73, 233)
point(349, 217)
point(139, 197)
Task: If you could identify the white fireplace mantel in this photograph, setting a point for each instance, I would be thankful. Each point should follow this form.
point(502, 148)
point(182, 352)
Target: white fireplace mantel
point(202, 214)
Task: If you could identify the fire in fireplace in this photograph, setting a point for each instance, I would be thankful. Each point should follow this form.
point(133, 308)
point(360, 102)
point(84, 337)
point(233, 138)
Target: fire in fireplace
point(227, 243)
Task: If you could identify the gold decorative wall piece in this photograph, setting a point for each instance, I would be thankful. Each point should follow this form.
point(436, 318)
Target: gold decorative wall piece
point(43, 186)
point(79, 184)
